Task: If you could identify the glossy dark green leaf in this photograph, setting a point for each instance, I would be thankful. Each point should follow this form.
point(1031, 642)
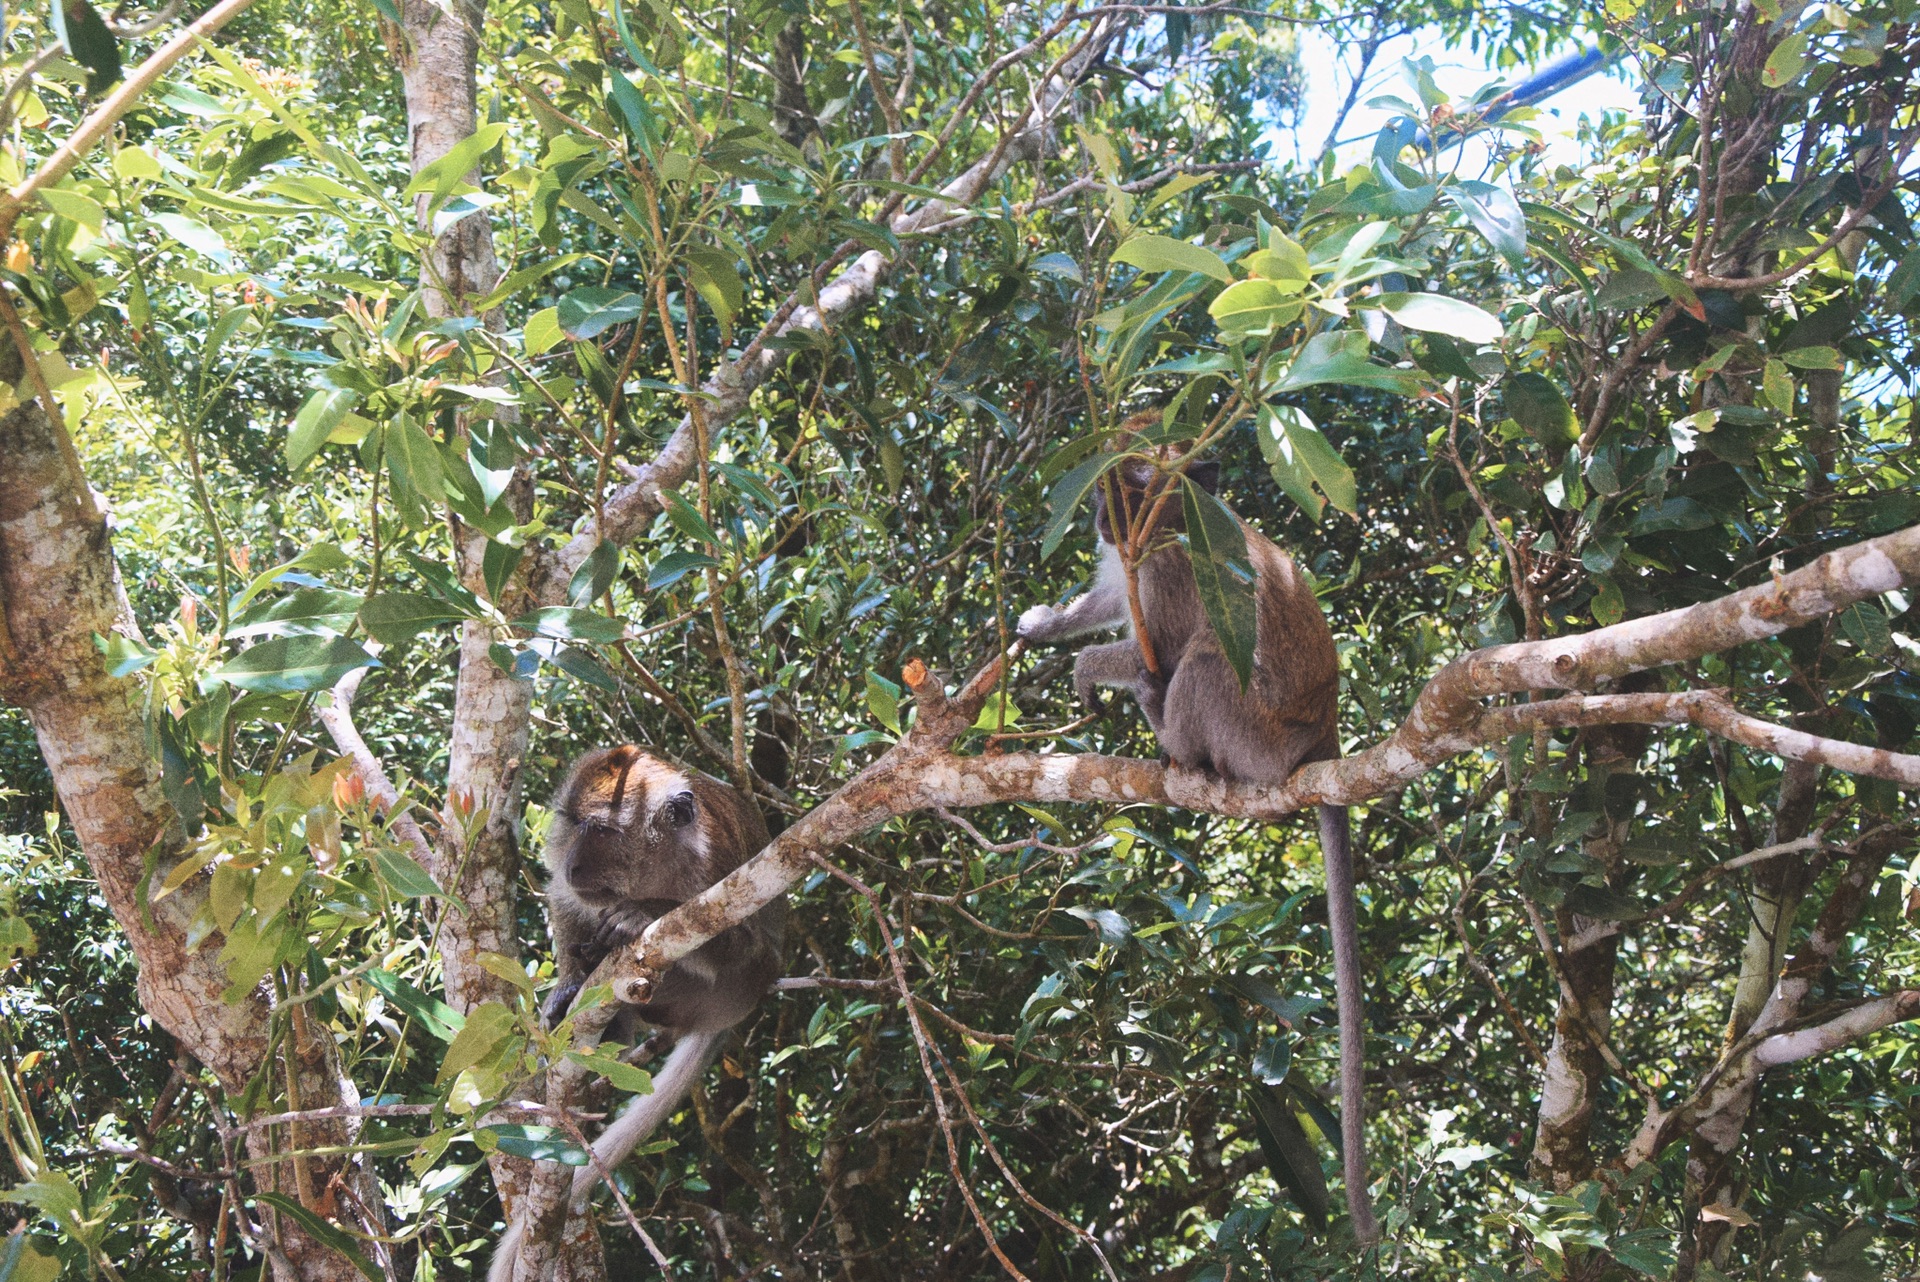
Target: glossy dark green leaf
point(1340, 356)
point(434, 1015)
point(322, 1230)
point(1065, 497)
point(1217, 547)
point(1496, 215)
point(393, 617)
point(595, 575)
point(83, 33)
point(674, 566)
point(1536, 403)
point(1289, 1154)
point(569, 623)
point(541, 1143)
point(587, 311)
point(296, 663)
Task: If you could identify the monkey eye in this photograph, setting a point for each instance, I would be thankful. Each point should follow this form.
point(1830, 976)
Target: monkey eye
point(680, 809)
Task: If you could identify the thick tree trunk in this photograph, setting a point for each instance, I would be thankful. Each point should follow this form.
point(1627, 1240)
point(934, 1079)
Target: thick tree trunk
point(60, 588)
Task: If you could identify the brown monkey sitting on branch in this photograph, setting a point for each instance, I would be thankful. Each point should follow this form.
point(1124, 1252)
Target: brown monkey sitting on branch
point(1180, 675)
point(631, 838)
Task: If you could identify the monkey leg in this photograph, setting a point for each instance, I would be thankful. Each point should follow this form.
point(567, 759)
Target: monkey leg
point(1118, 665)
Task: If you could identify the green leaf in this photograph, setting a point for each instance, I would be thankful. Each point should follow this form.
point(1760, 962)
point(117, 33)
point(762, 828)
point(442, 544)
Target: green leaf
point(686, 518)
point(1536, 404)
point(1777, 384)
point(296, 663)
point(336, 1238)
point(1112, 929)
point(453, 169)
point(674, 566)
point(883, 700)
point(586, 311)
point(1308, 450)
point(487, 1027)
point(1438, 314)
point(318, 416)
point(1340, 356)
point(1065, 498)
point(1496, 215)
point(605, 1060)
point(1282, 259)
point(1814, 358)
point(716, 277)
point(1252, 307)
point(542, 332)
point(1155, 253)
point(197, 236)
point(83, 33)
point(124, 655)
point(404, 876)
point(413, 460)
point(1288, 1152)
point(1225, 576)
point(434, 1015)
point(569, 623)
point(595, 575)
point(1787, 61)
point(541, 1143)
point(393, 617)
point(74, 207)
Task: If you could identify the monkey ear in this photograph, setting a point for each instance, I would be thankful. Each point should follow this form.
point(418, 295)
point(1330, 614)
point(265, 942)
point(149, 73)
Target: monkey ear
point(681, 809)
point(1205, 474)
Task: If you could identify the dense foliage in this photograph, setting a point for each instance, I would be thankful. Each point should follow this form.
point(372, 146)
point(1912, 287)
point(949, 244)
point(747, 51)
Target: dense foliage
point(1480, 397)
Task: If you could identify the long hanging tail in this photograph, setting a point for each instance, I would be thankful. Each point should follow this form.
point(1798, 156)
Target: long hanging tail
point(1343, 924)
point(684, 1065)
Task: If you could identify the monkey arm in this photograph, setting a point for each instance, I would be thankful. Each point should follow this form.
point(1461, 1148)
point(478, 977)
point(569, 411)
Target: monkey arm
point(1103, 605)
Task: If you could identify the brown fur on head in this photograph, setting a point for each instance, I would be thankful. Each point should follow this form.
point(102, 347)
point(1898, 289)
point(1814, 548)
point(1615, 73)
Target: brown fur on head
point(1136, 484)
point(632, 836)
point(623, 812)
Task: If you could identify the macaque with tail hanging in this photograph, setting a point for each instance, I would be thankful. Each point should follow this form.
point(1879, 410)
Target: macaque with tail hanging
point(1285, 717)
point(631, 838)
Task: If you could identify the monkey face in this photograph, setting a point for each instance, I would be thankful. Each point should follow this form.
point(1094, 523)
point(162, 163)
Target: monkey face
point(1135, 486)
point(625, 821)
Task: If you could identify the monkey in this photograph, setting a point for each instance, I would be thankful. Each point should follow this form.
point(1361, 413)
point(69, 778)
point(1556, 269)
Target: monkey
point(1285, 718)
point(631, 838)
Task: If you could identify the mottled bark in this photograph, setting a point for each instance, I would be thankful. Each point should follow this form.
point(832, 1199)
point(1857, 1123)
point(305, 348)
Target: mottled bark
point(477, 855)
point(59, 588)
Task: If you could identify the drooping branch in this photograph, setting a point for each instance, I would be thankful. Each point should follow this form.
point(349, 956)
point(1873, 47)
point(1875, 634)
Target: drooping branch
point(104, 117)
point(337, 717)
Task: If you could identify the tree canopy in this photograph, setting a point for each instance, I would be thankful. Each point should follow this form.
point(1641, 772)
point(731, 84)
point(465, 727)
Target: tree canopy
point(403, 398)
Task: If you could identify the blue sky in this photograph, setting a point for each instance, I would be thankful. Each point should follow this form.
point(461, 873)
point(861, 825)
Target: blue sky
point(1457, 72)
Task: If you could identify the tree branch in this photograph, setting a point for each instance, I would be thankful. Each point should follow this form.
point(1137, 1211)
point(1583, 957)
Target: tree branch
point(108, 113)
point(1868, 1017)
point(337, 717)
point(920, 772)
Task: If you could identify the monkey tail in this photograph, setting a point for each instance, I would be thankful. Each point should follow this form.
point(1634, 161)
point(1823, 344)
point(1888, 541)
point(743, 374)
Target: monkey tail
point(683, 1067)
point(1343, 924)
point(685, 1063)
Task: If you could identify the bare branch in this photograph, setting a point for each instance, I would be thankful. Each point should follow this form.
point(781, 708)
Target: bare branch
point(337, 717)
point(920, 772)
point(1868, 1017)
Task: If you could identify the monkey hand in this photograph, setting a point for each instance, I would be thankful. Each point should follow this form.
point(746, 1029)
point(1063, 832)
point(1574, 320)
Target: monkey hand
point(559, 1002)
point(1036, 623)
